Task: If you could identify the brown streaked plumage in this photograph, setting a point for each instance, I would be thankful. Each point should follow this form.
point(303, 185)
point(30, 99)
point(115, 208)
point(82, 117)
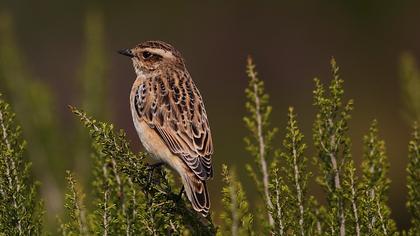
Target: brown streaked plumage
point(170, 117)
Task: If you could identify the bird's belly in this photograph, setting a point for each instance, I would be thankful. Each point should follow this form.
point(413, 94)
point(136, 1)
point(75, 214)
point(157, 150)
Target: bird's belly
point(151, 141)
point(154, 144)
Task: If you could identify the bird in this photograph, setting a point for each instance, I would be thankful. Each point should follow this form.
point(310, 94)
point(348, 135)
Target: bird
point(170, 118)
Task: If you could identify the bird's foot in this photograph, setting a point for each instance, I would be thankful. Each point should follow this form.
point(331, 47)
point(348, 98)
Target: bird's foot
point(151, 168)
point(180, 194)
point(154, 165)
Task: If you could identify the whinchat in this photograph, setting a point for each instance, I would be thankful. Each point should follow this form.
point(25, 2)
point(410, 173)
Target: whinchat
point(170, 119)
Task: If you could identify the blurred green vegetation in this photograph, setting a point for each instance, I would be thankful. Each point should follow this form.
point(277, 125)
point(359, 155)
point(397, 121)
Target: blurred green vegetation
point(93, 84)
point(410, 85)
point(35, 107)
point(55, 146)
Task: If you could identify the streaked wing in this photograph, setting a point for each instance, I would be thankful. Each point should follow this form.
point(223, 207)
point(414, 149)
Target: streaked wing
point(172, 105)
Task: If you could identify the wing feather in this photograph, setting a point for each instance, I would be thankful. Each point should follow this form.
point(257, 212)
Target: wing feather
point(174, 108)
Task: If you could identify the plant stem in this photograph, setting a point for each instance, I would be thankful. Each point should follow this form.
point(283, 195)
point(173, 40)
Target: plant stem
point(262, 146)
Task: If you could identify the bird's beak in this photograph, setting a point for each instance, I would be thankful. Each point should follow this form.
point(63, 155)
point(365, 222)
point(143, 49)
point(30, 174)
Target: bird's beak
point(126, 52)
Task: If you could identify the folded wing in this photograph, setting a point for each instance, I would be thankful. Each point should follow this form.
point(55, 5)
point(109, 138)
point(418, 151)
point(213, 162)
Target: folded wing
point(173, 107)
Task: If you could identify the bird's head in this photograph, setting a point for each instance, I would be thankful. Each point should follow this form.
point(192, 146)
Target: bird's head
point(149, 56)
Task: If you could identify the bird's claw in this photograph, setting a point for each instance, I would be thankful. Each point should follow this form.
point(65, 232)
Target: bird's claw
point(179, 197)
point(151, 168)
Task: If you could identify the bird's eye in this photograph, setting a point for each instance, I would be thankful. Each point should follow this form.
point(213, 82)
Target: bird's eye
point(146, 55)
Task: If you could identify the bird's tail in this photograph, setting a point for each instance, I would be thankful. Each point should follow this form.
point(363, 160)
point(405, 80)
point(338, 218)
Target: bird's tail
point(196, 191)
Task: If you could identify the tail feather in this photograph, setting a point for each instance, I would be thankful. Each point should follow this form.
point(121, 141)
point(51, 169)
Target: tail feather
point(196, 191)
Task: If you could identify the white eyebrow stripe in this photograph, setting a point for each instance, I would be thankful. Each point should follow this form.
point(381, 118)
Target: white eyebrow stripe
point(161, 52)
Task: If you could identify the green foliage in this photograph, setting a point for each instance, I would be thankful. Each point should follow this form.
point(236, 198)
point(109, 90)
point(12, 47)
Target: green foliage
point(131, 198)
point(258, 143)
point(374, 186)
point(20, 210)
point(354, 206)
point(76, 210)
point(293, 191)
point(413, 181)
point(113, 193)
point(353, 198)
point(280, 198)
point(333, 146)
point(237, 220)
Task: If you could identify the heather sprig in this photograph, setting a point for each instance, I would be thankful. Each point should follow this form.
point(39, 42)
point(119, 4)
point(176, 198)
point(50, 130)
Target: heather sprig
point(75, 208)
point(259, 141)
point(413, 180)
point(236, 217)
point(374, 186)
point(330, 135)
point(21, 211)
point(296, 174)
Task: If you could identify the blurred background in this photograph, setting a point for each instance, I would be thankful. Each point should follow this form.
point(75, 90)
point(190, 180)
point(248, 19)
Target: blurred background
point(55, 53)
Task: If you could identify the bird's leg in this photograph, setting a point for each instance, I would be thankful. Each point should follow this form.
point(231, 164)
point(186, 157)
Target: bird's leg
point(155, 165)
point(151, 168)
point(180, 193)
